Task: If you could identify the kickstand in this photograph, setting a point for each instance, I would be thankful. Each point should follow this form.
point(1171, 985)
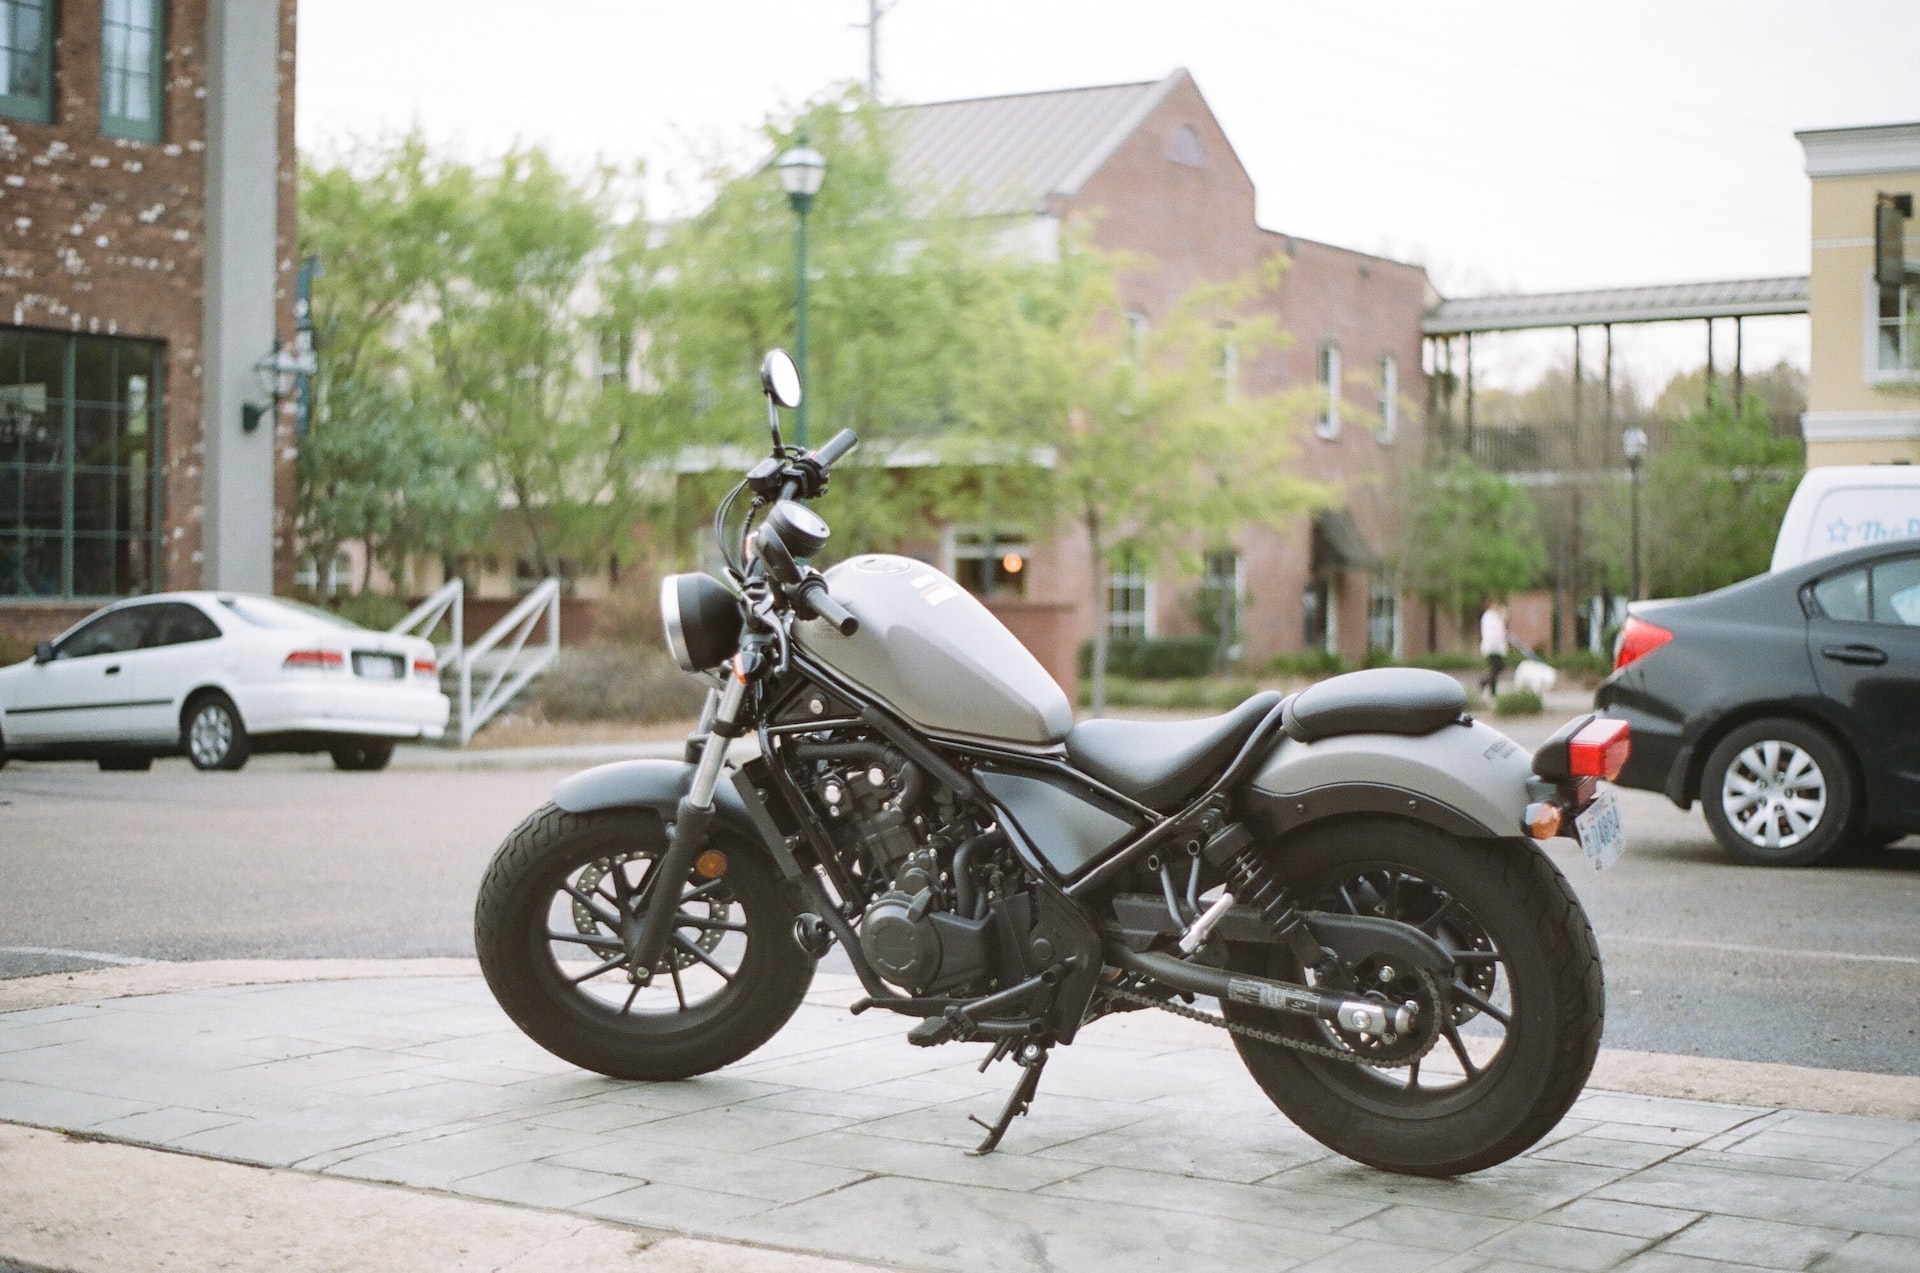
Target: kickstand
point(1032, 1057)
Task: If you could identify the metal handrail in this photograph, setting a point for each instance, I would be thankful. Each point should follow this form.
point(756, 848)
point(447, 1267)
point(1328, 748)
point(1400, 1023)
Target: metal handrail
point(456, 657)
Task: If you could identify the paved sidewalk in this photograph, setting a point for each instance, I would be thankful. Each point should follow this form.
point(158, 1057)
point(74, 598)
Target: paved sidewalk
point(1148, 1148)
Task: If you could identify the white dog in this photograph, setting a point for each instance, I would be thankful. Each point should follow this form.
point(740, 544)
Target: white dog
point(1532, 674)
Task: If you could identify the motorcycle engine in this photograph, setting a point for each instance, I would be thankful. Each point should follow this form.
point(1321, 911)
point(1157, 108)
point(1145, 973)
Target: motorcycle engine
point(911, 931)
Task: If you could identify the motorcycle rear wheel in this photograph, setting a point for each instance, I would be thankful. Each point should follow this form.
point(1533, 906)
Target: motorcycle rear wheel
point(547, 929)
point(1518, 1027)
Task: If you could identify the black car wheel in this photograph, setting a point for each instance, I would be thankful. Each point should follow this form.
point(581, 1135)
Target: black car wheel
point(1778, 793)
point(215, 737)
point(361, 755)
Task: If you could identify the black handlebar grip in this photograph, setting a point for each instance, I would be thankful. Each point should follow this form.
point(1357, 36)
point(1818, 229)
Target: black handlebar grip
point(821, 602)
point(837, 445)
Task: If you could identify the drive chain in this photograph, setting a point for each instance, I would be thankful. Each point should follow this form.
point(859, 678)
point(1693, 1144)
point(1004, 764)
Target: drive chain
point(1247, 1031)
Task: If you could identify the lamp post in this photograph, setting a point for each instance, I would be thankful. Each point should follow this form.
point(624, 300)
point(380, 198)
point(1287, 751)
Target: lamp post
point(281, 374)
point(802, 169)
point(1634, 442)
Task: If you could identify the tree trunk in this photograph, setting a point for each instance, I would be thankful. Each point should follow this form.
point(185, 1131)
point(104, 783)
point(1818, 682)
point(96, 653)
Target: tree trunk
point(1097, 552)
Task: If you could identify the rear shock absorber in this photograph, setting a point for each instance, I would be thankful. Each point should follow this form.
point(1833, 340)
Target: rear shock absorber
point(1254, 885)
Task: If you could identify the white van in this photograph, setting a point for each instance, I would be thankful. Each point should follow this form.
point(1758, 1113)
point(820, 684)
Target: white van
point(1848, 506)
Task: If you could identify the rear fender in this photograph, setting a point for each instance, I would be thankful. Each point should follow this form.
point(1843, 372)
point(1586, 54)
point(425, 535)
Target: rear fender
point(1468, 780)
point(659, 785)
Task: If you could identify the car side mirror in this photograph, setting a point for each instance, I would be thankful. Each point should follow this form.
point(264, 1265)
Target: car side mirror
point(43, 652)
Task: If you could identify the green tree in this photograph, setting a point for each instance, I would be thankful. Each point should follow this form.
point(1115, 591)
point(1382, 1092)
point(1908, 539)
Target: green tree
point(1714, 495)
point(1466, 534)
point(1139, 444)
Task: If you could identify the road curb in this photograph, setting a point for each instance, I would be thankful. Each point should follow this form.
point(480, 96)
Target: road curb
point(1715, 1079)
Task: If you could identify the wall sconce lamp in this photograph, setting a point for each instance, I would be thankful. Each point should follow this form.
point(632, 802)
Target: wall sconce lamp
point(280, 374)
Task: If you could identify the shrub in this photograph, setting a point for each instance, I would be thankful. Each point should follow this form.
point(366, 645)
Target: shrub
point(1314, 663)
point(1213, 694)
point(1583, 665)
point(1518, 703)
point(1153, 658)
point(631, 684)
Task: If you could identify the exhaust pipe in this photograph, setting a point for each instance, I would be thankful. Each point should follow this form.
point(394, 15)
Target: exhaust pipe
point(1362, 1016)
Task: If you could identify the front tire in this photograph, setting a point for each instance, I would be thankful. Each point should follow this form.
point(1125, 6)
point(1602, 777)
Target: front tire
point(547, 931)
point(1514, 1035)
point(1778, 792)
point(215, 736)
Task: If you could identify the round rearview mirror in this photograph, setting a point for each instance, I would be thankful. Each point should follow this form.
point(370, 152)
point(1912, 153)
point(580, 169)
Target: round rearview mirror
point(780, 379)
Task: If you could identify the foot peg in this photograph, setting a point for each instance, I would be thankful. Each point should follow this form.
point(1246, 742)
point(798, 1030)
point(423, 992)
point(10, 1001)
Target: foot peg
point(931, 1033)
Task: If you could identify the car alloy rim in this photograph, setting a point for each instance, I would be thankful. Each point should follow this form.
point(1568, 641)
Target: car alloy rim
point(1774, 794)
point(211, 735)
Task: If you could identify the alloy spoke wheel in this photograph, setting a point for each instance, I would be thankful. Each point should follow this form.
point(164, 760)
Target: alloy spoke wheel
point(1774, 794)
point(594, 913)
point(210, 737)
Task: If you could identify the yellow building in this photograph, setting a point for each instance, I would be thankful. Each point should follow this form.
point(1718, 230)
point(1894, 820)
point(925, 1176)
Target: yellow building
point(1863, 400)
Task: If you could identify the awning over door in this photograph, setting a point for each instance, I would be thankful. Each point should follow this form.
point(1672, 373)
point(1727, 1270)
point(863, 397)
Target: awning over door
point(1339, 545)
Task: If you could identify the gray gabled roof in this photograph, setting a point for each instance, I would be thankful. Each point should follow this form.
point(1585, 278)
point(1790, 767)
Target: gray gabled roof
point(1743, 298)
point(1008, 156)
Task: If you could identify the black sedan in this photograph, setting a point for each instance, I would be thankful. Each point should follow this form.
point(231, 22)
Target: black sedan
point(1788, 704)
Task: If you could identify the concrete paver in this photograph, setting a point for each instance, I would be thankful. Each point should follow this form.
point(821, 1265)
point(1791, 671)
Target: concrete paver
point(1148, 1147)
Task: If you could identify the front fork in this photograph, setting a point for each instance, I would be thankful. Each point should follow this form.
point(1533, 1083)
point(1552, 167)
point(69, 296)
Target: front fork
point(647, 940)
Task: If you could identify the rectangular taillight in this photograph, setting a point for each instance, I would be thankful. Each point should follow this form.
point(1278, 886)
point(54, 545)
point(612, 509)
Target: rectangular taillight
point(1637, 640)
point(1600, 749)
point(425, 667)
point(314, 661)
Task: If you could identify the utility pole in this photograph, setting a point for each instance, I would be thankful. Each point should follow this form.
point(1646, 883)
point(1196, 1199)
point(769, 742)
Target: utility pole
point(875, 11)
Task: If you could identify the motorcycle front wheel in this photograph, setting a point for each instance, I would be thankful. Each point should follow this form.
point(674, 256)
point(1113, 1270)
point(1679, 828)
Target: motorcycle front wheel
point(549, 924)
point(1501, 1049)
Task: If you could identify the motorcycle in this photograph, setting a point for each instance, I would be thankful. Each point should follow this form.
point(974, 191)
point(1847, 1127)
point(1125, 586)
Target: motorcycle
point(1354, 872)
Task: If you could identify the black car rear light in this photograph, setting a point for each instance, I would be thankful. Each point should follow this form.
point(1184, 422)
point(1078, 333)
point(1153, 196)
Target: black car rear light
point(1637, 640)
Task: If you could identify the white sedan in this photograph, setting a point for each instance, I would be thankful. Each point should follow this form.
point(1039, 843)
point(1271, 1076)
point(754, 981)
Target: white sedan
point(219, 676)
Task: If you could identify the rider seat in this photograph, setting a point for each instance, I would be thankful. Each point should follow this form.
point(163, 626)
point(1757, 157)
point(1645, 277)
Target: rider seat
point(1164, 764)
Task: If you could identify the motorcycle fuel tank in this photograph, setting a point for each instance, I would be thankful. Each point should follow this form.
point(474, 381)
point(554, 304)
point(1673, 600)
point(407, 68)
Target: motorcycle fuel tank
point(935, 655)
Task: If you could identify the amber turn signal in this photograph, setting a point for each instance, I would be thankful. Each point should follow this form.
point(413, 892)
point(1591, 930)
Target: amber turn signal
point(1543, 819)
point(711, 865)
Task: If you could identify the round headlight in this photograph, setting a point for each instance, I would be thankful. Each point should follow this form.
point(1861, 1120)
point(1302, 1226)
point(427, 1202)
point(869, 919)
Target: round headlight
point(702, 619)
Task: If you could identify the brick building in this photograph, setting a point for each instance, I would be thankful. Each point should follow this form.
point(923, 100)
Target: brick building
point(1147, 170)
point(147, 186)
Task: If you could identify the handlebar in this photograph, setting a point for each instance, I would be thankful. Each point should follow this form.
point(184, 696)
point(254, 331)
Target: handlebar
point(813, 593)
point(837, 445)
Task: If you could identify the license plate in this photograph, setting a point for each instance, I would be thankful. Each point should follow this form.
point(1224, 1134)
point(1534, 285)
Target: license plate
point(1602, 837)
point(379, 667)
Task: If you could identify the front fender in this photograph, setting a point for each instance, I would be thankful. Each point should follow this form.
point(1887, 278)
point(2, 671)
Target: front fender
point(659, 785)
point(1468, 780)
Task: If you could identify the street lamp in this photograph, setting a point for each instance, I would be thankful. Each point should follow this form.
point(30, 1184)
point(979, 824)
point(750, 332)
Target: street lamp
point(280, 374)
point(802, 169)
point(1634, 442)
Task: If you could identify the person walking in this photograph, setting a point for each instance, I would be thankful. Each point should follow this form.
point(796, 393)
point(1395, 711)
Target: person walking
point(1493, 644)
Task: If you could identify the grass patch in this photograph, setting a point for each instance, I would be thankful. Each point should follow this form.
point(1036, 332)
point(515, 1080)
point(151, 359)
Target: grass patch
point(1198, 693)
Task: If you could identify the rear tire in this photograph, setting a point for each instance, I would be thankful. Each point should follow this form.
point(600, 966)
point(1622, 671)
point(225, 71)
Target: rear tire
point(214, 734)
point(551, 889)
point(1531, 955)
point(362, 755)
point(1779, 792)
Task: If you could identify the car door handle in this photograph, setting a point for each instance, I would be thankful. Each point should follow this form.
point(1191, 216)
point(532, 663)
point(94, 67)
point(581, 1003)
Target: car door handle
point(1859, 655)
point(114, 670)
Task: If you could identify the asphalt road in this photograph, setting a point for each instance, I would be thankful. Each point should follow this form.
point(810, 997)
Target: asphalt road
point(291, 859)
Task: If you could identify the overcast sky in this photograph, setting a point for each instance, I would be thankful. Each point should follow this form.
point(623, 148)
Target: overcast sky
point(1508, 146)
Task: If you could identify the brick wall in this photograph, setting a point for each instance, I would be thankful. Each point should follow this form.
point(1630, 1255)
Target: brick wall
point(106, 236)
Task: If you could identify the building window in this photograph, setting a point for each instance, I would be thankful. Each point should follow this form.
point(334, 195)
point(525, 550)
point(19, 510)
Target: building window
point(1897, 330)
point(1389, 397)
point(1184, 148)
point(1221, 595)
point(26, 59)
point(1329, 380)
point(1316, 615)
point(132, 45)
point(336, 578)
point(79, 465)
point(1128, 611)
point(1383, 620)
point(990, 563)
